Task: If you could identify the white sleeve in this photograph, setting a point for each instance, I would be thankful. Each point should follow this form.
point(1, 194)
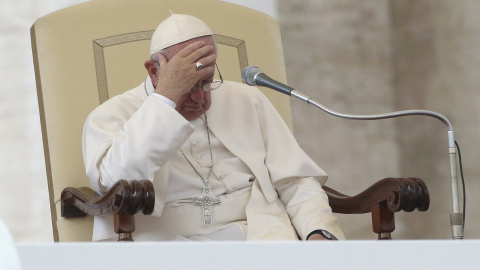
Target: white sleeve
point(307, 206)
point(121, 142)
point(296, 177)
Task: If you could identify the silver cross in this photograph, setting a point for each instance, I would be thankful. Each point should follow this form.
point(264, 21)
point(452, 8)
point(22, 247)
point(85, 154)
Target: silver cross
point(207, 201)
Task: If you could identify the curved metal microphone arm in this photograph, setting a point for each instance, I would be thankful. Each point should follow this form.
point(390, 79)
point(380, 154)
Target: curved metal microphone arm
point(456, 218)
point(372, 116)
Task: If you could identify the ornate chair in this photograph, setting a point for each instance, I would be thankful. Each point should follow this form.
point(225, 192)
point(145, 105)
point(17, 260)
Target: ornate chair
point(92, 51)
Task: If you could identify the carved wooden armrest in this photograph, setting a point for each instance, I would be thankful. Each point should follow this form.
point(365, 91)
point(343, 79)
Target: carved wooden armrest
point(123, 200)
point(383, 199)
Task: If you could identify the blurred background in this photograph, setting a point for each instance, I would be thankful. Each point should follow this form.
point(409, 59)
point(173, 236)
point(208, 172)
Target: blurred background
point(362, 57)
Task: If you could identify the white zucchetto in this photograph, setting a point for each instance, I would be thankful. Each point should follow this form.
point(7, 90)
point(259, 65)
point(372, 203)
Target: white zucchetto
point(176, 29)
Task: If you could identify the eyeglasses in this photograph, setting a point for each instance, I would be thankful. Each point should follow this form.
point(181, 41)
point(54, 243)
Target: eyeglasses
point(212, 85)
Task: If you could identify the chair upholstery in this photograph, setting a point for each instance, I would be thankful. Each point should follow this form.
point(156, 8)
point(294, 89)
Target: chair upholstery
point(87, 53)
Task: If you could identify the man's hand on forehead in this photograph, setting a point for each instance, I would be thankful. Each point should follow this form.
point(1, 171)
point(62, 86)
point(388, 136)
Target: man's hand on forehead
point(178, 75)
point(198, 52)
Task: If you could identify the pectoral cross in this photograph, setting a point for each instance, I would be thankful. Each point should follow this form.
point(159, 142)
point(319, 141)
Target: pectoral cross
point(207, 201)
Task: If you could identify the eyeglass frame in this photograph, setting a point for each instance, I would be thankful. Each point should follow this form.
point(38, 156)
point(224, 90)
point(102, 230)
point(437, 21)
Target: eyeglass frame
point(214, 81)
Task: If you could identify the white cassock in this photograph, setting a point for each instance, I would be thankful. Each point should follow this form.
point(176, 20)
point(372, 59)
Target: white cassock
point(265, 180)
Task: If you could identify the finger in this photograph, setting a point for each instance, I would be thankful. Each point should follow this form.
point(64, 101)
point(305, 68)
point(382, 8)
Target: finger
point(205, 72)
point(200, 53)
point(190, 48)
point(162, 60)
point(208, 60)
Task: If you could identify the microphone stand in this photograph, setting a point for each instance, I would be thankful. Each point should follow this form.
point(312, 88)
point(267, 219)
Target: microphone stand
point(456, 218)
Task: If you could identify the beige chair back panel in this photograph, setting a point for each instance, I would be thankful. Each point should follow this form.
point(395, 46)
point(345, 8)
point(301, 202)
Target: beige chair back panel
point(92, 51)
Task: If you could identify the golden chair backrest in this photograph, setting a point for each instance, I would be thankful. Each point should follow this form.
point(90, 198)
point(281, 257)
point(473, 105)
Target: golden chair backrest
point(92, 51)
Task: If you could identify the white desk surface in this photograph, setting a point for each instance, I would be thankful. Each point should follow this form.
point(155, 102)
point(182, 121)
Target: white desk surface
point(398, 254)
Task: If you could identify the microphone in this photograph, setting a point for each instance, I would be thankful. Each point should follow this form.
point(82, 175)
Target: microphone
point(253, 76)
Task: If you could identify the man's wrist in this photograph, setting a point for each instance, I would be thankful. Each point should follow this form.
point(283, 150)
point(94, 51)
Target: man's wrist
point(327, 235)
point(166, 100)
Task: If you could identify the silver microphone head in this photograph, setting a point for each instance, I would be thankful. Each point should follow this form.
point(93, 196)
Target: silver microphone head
point(248, 75)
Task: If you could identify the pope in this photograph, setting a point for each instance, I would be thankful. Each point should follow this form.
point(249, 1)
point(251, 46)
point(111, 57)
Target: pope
point(223, 163)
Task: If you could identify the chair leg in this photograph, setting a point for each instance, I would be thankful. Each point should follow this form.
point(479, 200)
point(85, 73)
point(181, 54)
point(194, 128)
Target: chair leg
point(124, 225)
point(383, 221)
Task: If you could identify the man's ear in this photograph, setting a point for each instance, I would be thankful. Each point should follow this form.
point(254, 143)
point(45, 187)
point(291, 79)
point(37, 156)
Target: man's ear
point(152, 69)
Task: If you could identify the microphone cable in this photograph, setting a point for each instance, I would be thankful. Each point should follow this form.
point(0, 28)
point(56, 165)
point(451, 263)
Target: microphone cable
point(463, 182)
